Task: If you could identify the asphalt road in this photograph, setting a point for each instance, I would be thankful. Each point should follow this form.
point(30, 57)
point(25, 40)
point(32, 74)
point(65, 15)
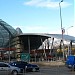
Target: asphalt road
point(55, 70)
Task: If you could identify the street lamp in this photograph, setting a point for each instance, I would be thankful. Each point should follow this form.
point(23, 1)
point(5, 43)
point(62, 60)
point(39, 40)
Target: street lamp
point(69, 50)
point(60, 12)
point(68, 29)
point(62, 29)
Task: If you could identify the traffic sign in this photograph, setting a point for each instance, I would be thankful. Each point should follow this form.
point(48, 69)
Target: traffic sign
point(25, 57)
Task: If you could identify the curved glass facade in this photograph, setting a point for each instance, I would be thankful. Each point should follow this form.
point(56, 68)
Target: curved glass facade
point(6, 32)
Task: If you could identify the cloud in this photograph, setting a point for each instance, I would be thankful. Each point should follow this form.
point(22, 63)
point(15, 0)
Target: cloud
point(18, 26)
point(44, 29)
point(46, 3)
point(29, 27)
point(32, 29)
point(36, 28)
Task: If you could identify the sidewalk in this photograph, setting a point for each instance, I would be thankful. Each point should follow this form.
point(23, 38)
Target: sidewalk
point(50, 63)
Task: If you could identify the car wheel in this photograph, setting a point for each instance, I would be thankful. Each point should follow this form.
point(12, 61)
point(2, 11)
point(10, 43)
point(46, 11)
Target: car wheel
point(34, 70)
point(14, 72)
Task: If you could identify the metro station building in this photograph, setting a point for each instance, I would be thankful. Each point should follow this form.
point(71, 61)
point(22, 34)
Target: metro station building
point(13, 42)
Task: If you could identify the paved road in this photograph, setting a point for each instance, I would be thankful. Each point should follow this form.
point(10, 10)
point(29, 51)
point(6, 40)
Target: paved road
point(62, 70)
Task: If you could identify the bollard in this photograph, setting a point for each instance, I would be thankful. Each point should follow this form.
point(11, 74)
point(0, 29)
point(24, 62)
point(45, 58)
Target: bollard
point(22, 71)
point(25, 70)
point(73, 68)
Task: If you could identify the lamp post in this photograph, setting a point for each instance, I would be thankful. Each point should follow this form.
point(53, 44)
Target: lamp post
point(69, 52)
point(62, 29)
point(68, 29)
point(60, 12)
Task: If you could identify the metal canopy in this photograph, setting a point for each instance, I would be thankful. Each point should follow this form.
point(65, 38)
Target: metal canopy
point(32, 41)
point(65, 37)
point(36, 39)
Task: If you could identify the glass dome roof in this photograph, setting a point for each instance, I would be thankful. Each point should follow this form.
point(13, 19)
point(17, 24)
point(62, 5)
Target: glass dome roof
point(5, 31)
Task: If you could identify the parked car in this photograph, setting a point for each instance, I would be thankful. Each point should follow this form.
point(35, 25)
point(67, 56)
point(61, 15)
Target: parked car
point(70, 62)
point(7, 69)
point(24, 66)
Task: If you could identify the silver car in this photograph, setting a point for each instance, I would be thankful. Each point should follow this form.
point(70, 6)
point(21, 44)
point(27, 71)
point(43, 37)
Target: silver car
point(6, 69)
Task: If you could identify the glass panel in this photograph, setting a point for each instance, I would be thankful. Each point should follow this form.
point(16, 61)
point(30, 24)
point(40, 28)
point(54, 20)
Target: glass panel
point(4, 34)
